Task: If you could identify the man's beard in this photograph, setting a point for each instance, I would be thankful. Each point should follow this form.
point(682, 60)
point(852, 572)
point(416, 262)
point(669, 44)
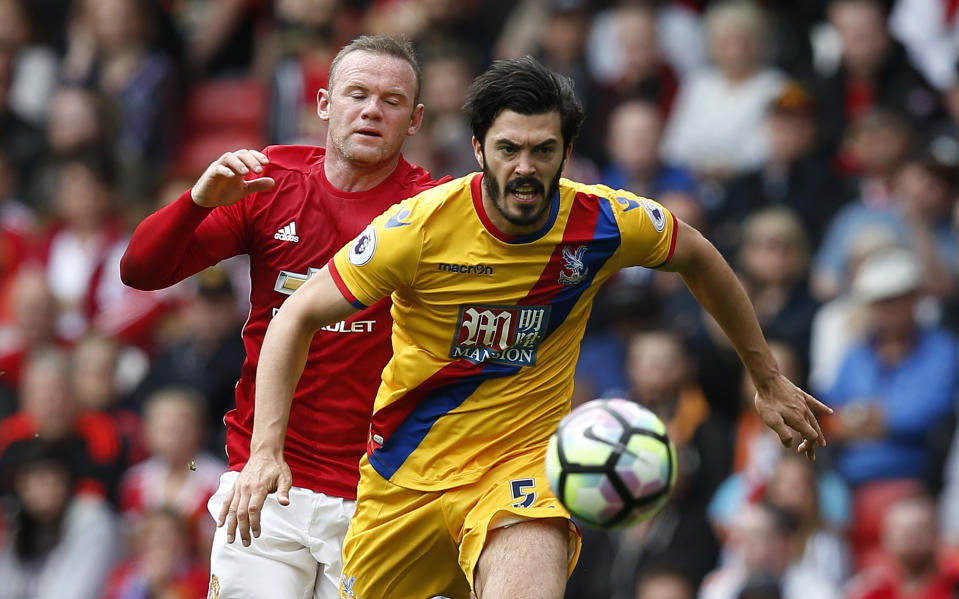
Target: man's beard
point(528, 214)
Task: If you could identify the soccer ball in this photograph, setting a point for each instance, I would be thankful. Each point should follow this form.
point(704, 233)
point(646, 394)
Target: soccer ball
point(611, 463)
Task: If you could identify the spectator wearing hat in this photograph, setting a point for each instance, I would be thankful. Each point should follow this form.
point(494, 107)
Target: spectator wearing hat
point(895, 385)
point(795, 175)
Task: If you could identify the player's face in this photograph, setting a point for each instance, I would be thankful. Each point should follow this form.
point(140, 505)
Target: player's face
point(522, 157)
point(370, 108)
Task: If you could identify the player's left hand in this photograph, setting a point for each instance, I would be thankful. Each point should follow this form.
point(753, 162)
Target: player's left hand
point(262, 475)
point(788, 410)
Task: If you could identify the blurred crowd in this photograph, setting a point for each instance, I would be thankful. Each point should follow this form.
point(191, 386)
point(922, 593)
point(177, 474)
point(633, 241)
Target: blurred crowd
point(814, 142)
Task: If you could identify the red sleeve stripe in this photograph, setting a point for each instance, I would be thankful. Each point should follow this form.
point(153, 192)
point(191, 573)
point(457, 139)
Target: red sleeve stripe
point(672, 242)
point(341, 285)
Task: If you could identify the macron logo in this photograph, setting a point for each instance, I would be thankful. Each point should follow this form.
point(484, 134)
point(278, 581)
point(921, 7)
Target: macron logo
point(287, 233)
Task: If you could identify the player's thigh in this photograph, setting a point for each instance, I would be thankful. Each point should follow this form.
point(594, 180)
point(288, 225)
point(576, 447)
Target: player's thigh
point(512, 493)
point(399, 545)
point(331, 520)
point(526, 559)
point(276, 564)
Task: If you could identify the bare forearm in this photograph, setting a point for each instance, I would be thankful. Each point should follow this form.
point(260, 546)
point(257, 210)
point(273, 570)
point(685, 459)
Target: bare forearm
point(716, 288)
point(282, 360)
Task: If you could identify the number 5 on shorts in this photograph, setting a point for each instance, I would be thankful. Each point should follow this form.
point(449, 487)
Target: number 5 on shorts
point(524, 491)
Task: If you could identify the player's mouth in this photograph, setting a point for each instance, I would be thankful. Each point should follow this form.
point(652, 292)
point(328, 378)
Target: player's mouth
point(525, 191)
point(369, 133)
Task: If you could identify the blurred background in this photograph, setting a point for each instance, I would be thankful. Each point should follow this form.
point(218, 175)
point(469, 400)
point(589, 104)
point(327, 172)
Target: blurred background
point(814, 142)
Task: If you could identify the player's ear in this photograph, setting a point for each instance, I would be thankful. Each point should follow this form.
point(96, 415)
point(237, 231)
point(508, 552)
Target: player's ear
point(416, 120)
point(478, 152)
point(323, 104)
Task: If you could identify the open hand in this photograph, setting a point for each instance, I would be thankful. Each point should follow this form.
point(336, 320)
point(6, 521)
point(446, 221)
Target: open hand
point(224, 183)
point(260, 476)
point(788, 411)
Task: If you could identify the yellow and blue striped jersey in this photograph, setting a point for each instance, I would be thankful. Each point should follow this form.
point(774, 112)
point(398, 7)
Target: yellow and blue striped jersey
point(487, 326)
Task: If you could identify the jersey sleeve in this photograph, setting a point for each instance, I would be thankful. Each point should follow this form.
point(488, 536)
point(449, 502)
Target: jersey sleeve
point(177, 241)
point(382, 258)
point(648, 230)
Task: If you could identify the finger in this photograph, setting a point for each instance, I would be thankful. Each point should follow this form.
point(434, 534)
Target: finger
point(243, 517)
point(261, 184)
point(817, 406)
point(223, 171)
point(806, 430)
point(260, 156)
point(283, 489)
point(812, 421)
point(233, 161)
point(784, 432)
point(255, 503)
point(251, 160)
point(231, 522)
point(225, 509)
point(809, 449)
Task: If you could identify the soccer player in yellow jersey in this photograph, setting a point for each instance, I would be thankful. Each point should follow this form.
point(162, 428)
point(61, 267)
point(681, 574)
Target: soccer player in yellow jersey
point(492, 277)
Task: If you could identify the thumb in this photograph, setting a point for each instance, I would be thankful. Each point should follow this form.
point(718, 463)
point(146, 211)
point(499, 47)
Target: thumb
point(261, 184)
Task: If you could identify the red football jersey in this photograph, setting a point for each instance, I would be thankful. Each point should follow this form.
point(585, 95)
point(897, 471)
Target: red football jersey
point(289, 232)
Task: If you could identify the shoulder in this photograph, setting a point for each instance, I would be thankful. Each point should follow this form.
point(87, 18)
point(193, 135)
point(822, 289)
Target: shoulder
point(301, 159)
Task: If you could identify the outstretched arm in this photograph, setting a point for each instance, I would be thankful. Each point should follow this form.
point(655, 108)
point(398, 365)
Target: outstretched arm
point(315, 304)
point(783, 407)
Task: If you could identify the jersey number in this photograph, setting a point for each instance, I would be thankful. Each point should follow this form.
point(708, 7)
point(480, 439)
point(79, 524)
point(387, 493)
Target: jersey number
point(524, 491)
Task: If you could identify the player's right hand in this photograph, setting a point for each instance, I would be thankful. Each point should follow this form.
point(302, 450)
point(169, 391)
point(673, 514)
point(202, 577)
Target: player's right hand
point(224, 183)
point(262, 475)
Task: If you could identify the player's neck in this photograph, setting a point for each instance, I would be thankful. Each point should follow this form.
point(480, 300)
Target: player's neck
point(349, 176)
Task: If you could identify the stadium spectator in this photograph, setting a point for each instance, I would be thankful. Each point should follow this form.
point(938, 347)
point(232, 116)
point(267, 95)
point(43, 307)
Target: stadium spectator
point(842, 321)
point(909, 562)
point(36, 64)
point(30, 328)
point(633, 139)
point(78, 120)
point(205, 353)
point(821, 547)
point(762, 545)
point(160, 563)
point(113, 50)
point(872, 73)
point(929, 30)
point(796, 175)
point(879, 141)
point(716, 125)
point(80, 250)
point(179, 475)
point(20, 141)
point(644, 76)
point(773, 264)
point(48, 410)
point(896, 384)
point(60, 545)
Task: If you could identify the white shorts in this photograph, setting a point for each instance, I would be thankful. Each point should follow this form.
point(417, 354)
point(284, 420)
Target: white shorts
point(298, 554)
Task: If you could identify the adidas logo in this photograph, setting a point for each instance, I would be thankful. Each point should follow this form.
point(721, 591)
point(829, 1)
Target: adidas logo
point(287, 233)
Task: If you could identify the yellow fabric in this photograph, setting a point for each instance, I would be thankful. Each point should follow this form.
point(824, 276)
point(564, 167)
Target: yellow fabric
point(405, 543)
point(487, 327)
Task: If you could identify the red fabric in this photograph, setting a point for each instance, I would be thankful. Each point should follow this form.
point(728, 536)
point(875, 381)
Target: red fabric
point(860, 97)
point(952, 8)
point(883, 580)
point(331, 409)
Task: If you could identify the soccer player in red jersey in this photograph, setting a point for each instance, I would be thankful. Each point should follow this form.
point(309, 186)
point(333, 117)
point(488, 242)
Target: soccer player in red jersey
point(290, 208)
